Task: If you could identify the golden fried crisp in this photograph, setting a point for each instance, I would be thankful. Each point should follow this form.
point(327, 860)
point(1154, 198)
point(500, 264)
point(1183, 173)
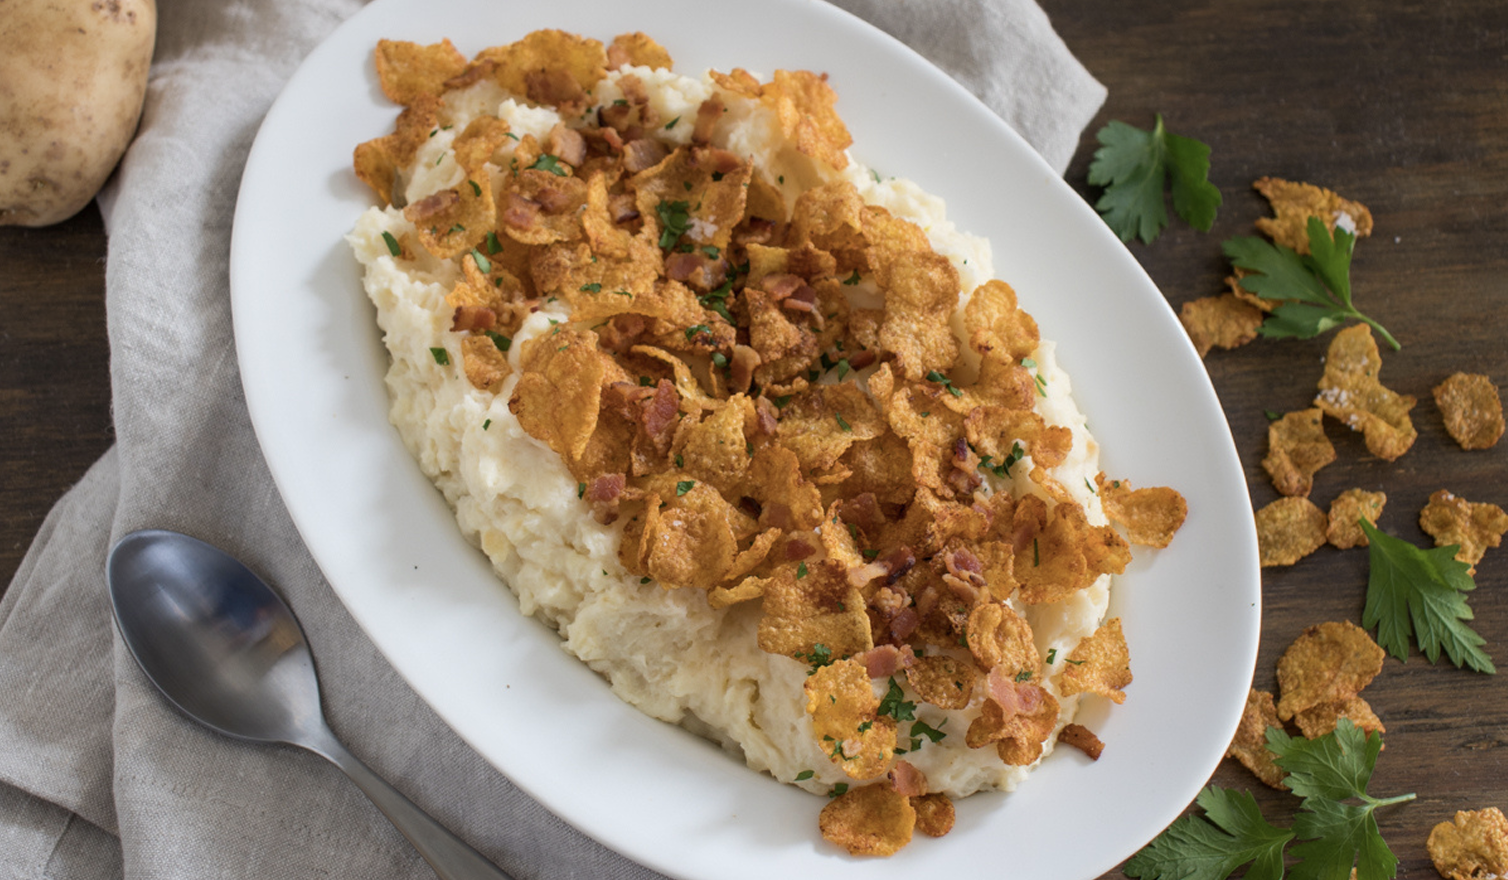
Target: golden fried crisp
point(919, 286)
point(478, 141)
point(1100, 664)
point(1289, 529)
point(821, 424)
point(1150, 516)
point(1295, 203)
point(556, 399)
point(550, 67)
point(1473, 846)
point(1083, 739)
point(819, 608)
point(1224, 321)
point(1250, 745)
point(1351, 393)
point(1451, 519)
point(843, 706)
point(1020, 726)
point(1473, 409)
point(1346, 513)
point(378, 161)
point(995, 323)
point(690, 542)
point(1296, 449)
point(456, 220)
point(1316, 721)
point(1327, 663)
point(408, 70)
point(999, 638)
point(1059, 552)
point(995, 431)
point(804, 104)
point(486, 367)
point(943, 681)
point(872, 820)
point(637, 50)
point(934, 814)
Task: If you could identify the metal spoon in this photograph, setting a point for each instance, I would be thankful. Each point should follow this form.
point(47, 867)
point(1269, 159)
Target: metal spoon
point(221, 646)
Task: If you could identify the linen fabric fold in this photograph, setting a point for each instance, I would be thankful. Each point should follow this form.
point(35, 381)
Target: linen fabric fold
point(100, 777)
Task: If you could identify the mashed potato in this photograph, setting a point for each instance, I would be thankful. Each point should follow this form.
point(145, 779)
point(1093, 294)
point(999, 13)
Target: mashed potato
point(667, 651)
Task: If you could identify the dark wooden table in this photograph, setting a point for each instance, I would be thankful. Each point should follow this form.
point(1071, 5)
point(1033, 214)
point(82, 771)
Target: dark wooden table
point(1400, 105)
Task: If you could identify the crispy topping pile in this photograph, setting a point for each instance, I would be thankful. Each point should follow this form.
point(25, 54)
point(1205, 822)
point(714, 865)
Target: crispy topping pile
point(770, 399)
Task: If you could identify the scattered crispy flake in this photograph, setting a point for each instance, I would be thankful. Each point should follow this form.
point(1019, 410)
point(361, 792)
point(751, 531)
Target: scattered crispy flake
point(1473, 846)
point(1296, 449)
point(1150, 516)
point(1351, 392)
point(1316, 721)
point(1327, 663)
point(1451, 519)
point(1224, 321)
point(690, 542)
point(453, 221)
point(407, 71)
point(1289, 529)
point(934, 814)
point(478, 141)
point(1346, 513)
point(872, 820)
point(1294, 203)
point(637, 50)
point(550, 67)
point(1017, 718)
point(843, 707)
point(1058, 552)
point(820, 608)
point(995, 431)
point(804, 104)
point(1100, 664)
point(943, 681)
point(821, 424)
point(377, 162)
point(999, 637)
point(557, 396)
point(687, 187)
point(1083, 739)
point(1473, 409)
point(486, 367)
point(1250, 745)
point(994, 322)
point(920, 287)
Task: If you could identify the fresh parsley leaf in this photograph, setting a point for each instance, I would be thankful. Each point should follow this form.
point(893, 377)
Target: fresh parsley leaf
point(1134, 166)
point(895, 705)
point(441, 356)
point(547, 162)
point(483, 264)
point(675, 219)
point(1421, 593)
point(684, 486)
point(1315, 289)
point(1232, 833)
point(1330, 772)
point(392, 244)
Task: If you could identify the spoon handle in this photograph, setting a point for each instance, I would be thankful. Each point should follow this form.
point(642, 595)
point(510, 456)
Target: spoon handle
point(450, 856)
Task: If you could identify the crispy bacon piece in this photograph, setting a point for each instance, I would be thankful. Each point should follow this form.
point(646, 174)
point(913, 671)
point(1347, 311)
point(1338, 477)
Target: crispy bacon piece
point(643, 153)
point(566, 144)
point(553, 199)
point(797, 548)
point(707, 116)
point(603, 495)
point(1013, 697)
point(467, 318)
point(802, 299)
point(1083, 739)
point(623, 208)
point(622, 333)
point(892, 567)
point(780, 286)
point(718, 161)
point(964, 565)
point(863, 512)
point(883, 661)
point(661, 415)
point(861, 359)
point(754, 230)
point(964, 477)
point(430, 206)
point(907, 780)
point(697, 270)
point(473, 74)
point(518, 212)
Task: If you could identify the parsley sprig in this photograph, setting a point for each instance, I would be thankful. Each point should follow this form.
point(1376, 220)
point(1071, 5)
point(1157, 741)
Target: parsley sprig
point(1421, 594)
point(1134, 166)
point(1335, 825)
point(1315, 289)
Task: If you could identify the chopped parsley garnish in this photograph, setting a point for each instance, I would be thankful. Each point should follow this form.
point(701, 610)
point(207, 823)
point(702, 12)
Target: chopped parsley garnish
point(717, 300)
point(486, 424)
point(801, 571)
point(675, 219)
point(502, 342)
point(493, 245)
point(921, 728)
point(711, 250)
point(1134, 166)
point(804, 775)
point(1036, 376)
point(671, 124)
point(841, 422)
point(1052, 655)
point(680, 460)
point(838, 790)
point(852, 279)
point(719, 359)
point(594, 287)
point(869, 554)
point(392, 244)
point(781, 401)
point(944, 381)
point(1003, 469)
point(843, 369)
point(683, 487)
point(895, 705)
point(475, 189)
point(441, 356)
point(1024, 675)
point(483, 264)
point(819, 656)
point(547, 162)
point(697, 330)
point(580, 489)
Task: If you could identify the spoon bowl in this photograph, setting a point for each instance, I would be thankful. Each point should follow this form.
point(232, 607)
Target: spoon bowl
point(224, 648)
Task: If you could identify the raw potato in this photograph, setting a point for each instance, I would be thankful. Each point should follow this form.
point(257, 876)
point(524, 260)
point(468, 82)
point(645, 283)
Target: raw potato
point(73, 74)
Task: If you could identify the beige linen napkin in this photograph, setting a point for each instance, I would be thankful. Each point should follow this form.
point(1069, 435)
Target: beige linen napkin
point(98, 776)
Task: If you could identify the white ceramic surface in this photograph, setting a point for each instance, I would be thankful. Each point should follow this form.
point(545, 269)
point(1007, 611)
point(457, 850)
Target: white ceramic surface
point(312, 366)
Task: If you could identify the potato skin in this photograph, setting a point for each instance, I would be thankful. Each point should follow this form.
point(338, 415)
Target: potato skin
point(73, 75)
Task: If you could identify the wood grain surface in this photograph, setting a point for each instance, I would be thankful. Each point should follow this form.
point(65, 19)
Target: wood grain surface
point(1402, 106)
